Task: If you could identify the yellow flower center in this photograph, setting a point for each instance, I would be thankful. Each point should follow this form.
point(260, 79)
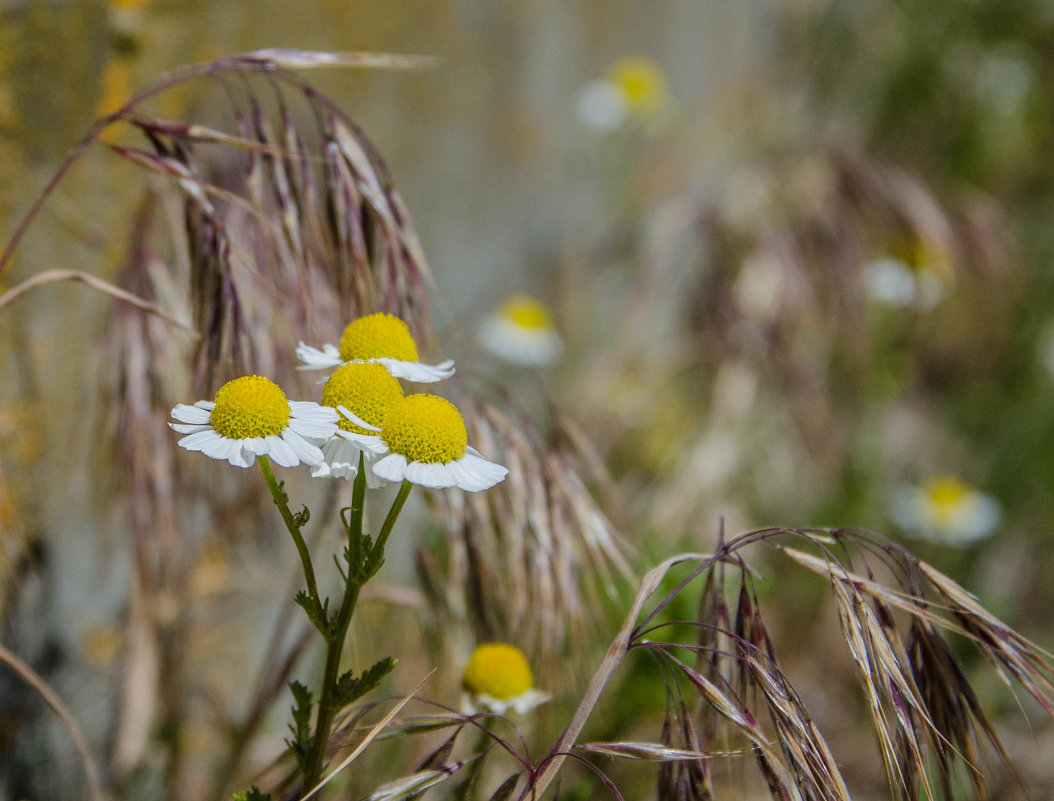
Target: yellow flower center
point(498, 670)
point(526, 312)
point(250, 406)
point(378, 336)
point(366, 389)
point(947, 495)
point(641, 82)
point(425, 428)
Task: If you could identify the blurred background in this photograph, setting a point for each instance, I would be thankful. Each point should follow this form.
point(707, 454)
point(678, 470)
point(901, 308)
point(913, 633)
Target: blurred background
point(796, 255)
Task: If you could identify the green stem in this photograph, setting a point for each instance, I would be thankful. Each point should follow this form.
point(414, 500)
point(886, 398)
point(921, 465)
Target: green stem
point(393, 515)
point(327, 707)
point(282, 502)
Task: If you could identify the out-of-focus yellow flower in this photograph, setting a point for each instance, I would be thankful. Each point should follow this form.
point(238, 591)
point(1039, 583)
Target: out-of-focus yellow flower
point(643, 86)
point(918, 276)
point(497, 678)
point(521, 331)
point(634, 89)
point(945, 509)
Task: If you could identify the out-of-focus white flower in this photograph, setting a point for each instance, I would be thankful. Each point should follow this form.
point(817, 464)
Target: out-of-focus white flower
point(893, 282)
point(521, 331)
point(633, 89)
point(497, 678)
point(945, 509)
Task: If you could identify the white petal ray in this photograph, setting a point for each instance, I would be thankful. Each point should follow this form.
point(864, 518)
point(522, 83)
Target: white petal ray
point(416, 371)
point(340, 459)
point(310, 428)
point(312, 412)
point(187, 428)
point(484, 473)
point(206, 405)
point(391, 468)
point(281, 452)
point(315, 359)
point(191, 414)
point(430, 474)
point(219, 447)
point(307, 453)
point(239, 456)
point(255, 445)
point(344, 410)
point(194, 442)
point(367, 442)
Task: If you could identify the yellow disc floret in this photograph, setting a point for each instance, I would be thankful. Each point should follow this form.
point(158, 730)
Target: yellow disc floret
point(947, 495)
point(366, 389)
point(526, 313)
point(250, 406)
point(378, 336)
point(641, 83)
point(425, 428)
point(498, 670)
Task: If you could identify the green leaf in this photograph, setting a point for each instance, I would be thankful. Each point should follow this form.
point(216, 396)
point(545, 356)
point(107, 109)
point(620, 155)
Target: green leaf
point(317, 613)
point(349, 689)
point(301, 725)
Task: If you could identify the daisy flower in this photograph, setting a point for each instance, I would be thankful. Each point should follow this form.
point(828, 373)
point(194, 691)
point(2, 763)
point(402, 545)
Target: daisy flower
point(425, 442)
point(497, 678)
point(521, 331)
point(365, 391)
point(251, 417)
point(633, 89)
point(945, 509)
point(381, 338)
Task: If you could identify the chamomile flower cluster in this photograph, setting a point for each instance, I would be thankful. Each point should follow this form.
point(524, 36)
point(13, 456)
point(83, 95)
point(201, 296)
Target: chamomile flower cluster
point(498, 678)
point(945, 509)
point(521, 331)
point(364, 418)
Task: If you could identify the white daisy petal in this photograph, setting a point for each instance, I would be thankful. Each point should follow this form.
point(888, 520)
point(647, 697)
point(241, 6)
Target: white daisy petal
point(218, 447)
point(306, 428)
point(356, 419)
point(206, 405)
point(391, 468)
point(191, 414)
point(281, 452)
point(484, 472)
point(187, 428)
point(433, 475)
point(255, 445)
point(195, 441)
point(315, 359)
point(312, 412)
point(417, 372)
point(340, 459)
point(367, 442)
point(308, 453)
point(239, 456)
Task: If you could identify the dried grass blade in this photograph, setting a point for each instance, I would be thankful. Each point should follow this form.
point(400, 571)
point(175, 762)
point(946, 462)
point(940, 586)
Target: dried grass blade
point(615, 653)
point(50, 276)
point(34, 680)
point(292, 58)
point(654, 752)
point(417, 783)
